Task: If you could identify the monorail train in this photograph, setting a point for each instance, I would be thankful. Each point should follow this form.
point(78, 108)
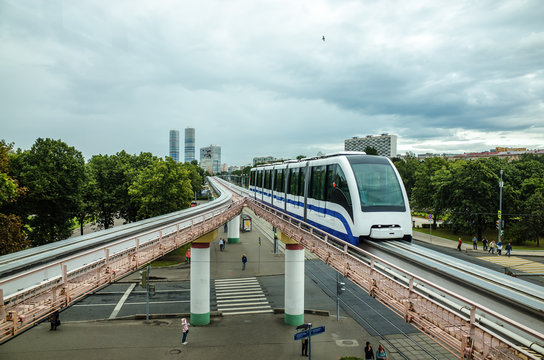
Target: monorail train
point(350, 195)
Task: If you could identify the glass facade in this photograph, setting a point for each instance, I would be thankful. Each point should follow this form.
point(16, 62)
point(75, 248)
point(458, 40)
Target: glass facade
point(174, 145)
point(189, 144)
point(210, 158)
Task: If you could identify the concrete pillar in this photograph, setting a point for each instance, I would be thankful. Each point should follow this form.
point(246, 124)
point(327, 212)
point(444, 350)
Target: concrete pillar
point(294, 284)
point(234, 230)
point(200, 283)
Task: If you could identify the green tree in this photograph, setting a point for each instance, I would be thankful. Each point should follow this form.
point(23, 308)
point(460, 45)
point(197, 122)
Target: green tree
point(532, 224)
point(407, 168)
point(369, 150)
point(161, 188)
point(432, 182)
point(53, 172)
point(300, 157)
point(12, 237)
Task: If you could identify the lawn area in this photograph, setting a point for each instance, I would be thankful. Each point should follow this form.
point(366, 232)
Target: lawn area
point(467, 239)
point(172, 258)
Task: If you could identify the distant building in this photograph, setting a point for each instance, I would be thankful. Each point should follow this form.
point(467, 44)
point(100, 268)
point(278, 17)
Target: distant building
point(210, 159)
point(233, 168)
point(500, 152)
point(224, 167)
point(174, 145)
point(385, 144)
point(189, 144)
point(265, 159)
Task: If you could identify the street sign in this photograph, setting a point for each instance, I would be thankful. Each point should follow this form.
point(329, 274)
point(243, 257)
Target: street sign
point(499, 214)
point(304, 334)
point(430, 216)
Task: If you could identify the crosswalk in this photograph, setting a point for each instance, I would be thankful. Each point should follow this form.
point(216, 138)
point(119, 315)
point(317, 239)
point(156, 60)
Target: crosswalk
point(241, 296)
point(516, 263)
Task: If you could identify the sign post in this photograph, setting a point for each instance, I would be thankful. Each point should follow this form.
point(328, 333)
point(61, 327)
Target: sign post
point(308, 333)
point(431, 227)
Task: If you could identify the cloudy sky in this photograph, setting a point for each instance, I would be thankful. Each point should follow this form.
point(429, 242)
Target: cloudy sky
point(256, 78)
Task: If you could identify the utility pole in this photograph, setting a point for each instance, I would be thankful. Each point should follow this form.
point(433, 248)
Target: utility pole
point(500, 207)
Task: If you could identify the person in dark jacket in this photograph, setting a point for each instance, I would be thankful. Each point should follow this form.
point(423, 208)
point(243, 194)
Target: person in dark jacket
point(244, 261)
point(369, 352)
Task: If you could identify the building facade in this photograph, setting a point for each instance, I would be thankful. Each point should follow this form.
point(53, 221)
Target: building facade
point(263, 160)
point(210, 159)
point(385, 144)
point(174, 145)
point(189, 144)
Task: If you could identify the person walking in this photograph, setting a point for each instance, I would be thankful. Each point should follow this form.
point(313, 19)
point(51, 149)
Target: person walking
point(54, 320)
point(474, 243)
point(304, 347)
point(459, 244)
point(499, 248)
point(508, 248)
point(185, 330)
point(484, 243)
point(188, 256)
point(369, 352)
point(380, 353)
point(491, 247)
point(221, 244)
point(244, 261)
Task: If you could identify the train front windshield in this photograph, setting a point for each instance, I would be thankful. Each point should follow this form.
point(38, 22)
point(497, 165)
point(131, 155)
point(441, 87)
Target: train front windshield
point(378, 185)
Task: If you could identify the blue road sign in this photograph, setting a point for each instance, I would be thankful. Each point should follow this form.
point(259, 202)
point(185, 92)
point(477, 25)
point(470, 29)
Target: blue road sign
point(304, 334)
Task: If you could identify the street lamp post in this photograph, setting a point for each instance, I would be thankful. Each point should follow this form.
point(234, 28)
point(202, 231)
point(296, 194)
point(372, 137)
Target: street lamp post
point(500, 206)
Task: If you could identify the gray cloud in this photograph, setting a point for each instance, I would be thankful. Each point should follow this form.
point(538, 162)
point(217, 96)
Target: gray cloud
point(257, 79)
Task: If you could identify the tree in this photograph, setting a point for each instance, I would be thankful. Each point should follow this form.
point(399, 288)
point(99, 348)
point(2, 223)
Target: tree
point(432, 179)
point(369, 150)
point(299, 157)
point(12, 237)
point(532, 224)
point(53, 172)
point(161, 188)
point(407, 169)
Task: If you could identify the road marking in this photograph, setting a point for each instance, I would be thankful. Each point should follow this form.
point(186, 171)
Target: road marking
point(516, 263)
point(134, 303)
point(240, 296)
point(122, 301)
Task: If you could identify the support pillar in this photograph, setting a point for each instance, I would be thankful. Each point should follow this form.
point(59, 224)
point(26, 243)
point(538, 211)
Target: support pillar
point(294, 284)
point(234, 230)
point(200, 283)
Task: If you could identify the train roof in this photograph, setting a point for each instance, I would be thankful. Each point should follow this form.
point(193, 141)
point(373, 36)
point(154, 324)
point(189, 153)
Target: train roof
point(341, 153)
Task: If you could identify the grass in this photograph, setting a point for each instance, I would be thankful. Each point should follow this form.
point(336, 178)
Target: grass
point(175, 257)
point(467, 239)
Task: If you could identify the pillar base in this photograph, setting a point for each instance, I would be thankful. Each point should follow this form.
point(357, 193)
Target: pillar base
point(233, 240)
point(294, 320)
point(200, 319)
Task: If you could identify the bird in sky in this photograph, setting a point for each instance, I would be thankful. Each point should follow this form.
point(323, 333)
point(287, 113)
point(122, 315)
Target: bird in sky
point(323, 37)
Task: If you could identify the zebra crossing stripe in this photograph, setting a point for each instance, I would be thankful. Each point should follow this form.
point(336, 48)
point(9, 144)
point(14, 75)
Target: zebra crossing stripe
point(241, 296)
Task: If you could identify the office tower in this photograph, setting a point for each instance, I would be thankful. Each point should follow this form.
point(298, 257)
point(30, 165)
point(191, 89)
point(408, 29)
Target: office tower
point(385, 144)
point(210, 159)
point(174, 145)
point(189, 144)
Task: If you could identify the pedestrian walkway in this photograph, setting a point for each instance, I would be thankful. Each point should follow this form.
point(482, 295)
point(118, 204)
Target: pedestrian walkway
point(241, 296)
point(516, 263)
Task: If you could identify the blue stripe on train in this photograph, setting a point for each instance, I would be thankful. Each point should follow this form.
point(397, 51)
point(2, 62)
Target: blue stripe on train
point(348, 236)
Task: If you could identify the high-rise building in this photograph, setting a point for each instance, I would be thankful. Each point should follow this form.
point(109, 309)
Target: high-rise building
point(210, 158)
point(385, 144)
point(174, 145)
point(189, 144)
point(263, 160)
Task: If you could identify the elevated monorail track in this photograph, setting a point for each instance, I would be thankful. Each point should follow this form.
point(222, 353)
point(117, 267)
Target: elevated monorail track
point(37, 282)
point(466, 328)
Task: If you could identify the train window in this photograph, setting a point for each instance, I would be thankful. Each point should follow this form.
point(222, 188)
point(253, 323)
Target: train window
point(278, 181)
point(301, 181)
point(252, 178)
point(260, 178)
point(317, 182)
point(293, 181)
point(267, 179)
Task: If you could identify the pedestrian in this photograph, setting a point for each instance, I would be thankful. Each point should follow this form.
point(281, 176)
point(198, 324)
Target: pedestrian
point(369, 352)
point(459, 244)
point(380, 353)
point(188, 256)
point(304, 347)
point(491, 247)
point(484, 243)
point(508, 248)
point(54, 320)
point(225, 228)
point(475, 243)
point(185, 330)
point(499, 248)
point(244, 261)
point(221, 244)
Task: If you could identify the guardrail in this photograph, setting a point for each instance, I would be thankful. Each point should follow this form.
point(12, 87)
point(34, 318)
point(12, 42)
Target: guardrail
point(461, 326)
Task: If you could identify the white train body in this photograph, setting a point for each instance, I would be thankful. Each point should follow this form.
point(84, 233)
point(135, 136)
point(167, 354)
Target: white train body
point(350, 195)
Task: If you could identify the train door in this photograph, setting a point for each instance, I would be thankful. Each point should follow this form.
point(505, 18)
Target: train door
point(316, 197)
point(285, 187)
point(303, 190)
